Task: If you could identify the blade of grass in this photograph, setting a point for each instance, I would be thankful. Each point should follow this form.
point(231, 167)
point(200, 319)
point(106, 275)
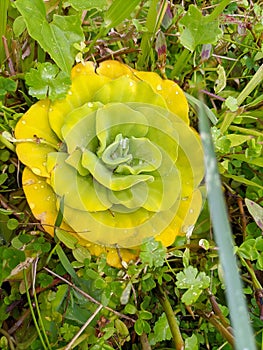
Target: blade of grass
point(254, 82)
point(238, 311)
point(153, 22)
point(196, 104)
point(66, 263)
point(3, 21)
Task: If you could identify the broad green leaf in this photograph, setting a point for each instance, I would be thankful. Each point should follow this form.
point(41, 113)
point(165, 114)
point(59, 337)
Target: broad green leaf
point(256, 211)
point(231, 103)
point(58, 37)
point(19, 26)
point(125, 295)
point(6, 85)
point(191, 343)
point(197, 29)
point(191, 295)
point(220, 82)
point(141, 326)
point(161, 330)
point(12, 224)
point(248, 249)
point(130, 309)
point(3, 178)
point(66, 238)
point(237, 139)
point(88, 4)
point(122, 329)
point(118, 11)
point(81, 253)
point(47, 81)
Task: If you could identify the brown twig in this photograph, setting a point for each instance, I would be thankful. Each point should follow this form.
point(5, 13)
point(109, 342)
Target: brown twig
point(8, 57)
point(212, 318)
point(87, 296)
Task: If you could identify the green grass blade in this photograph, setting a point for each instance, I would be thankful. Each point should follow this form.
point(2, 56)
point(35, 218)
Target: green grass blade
point(66, 263)
point(3, 21)
point(153, 22)
point(118, 11)
point(223, 236)
point(197, 104)
point(253, 83)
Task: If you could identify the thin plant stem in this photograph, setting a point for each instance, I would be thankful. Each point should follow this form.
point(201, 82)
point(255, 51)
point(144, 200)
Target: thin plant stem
point(215, 322)
point(254, 279)
point(3, 20)
point(246, 131)
point(37, 306)
point(87, 296)
point(82, 329)
point(32, 312)
point(175, 330)
point(8, 337)
point(145, 342)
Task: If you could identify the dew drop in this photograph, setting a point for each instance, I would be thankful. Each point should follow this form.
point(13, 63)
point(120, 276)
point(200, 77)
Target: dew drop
point(50, 109)
point(36, 171)
point(43, 106)
point(108, 65)
point(32, 205)
point(184, 198)
point(70, 93)
point(131, 83)
point(23, 122)
point(191, 211)
point(42, 186)
point(176, 92)
point(90, 104)
point(159, 87)
point(78, 70)
point(35, 187)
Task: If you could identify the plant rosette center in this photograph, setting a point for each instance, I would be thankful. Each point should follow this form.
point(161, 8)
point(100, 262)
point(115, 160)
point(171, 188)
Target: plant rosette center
point(119, 152)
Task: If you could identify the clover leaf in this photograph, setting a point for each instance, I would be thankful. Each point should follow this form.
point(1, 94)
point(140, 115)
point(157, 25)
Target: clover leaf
point(153, 253)
point(195, 282)
point(47, 81)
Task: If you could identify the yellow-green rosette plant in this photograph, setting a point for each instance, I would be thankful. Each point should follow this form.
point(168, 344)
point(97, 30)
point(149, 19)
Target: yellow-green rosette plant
point(120, 153)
